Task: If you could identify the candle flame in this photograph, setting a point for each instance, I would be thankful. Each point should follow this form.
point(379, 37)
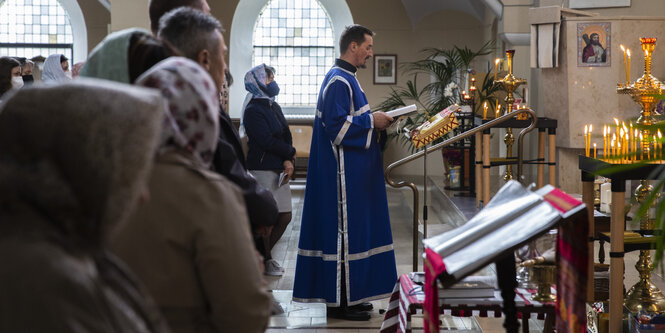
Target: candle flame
point(590, 128)
point(585, 129)
point(616, 121)
point(628, 52)
point(496, 62)
point(622, 48)
point(659, 134)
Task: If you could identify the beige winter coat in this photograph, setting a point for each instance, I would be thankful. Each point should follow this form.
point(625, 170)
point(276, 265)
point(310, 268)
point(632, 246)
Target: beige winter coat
point(190, 244)
point(73, 158)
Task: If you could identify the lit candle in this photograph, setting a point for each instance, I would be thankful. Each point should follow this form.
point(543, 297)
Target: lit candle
point(498, 108)
point(660, 144)
point(632, 142)
point(590, 130)
point(641, 150)
point(625, 63)
point(617, 122)
point(636, 144)
point(619, 151)
point(628, 76)
point(604, 140)
point(496, 67)
point(594, 150)
point(586, 142)
point(613, 152)
point(485, 110)
point(614, 139)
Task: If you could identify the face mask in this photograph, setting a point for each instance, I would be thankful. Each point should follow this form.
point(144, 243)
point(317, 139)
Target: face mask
point(17, 82)
point(28, 79)
point(68, 74)
point(272, 89)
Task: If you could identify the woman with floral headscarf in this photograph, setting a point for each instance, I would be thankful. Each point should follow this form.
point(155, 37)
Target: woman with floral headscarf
point(191, 242)
point(271, 153)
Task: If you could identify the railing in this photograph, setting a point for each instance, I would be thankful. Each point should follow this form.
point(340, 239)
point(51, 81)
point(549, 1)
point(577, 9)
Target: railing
point(487, 125)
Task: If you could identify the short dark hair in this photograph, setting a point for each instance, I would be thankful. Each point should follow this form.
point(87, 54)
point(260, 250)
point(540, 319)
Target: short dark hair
point(353, 33)
point(158, 8)
point(190, 31)
point(6, 66)
point(145, 51)
point(270, 71)
point(63, 58)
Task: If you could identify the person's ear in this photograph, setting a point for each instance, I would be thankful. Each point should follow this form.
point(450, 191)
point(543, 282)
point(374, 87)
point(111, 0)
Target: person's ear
point(204, 59)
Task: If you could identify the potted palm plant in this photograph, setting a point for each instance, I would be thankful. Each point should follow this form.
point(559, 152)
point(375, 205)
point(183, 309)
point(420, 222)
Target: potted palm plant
point(448, 71)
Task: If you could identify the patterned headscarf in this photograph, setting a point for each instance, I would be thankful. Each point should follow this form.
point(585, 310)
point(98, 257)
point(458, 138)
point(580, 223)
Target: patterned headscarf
point(255, 82)
point(192, 106)
point(53, 69)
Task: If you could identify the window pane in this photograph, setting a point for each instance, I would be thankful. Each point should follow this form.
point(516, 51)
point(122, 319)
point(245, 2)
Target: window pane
point(297, 36)
point(35, 22)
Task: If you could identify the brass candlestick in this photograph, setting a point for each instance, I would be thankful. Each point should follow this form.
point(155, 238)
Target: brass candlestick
point(644, 295)
point(544, 276)
point(509, 84)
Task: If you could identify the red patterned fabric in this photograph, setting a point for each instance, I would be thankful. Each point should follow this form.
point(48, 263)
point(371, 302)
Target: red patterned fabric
point(434, 267)
point(572, 260)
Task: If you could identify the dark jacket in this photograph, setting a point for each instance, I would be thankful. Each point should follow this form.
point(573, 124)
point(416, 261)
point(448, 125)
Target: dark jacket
point(268, 136)
point(229, 160)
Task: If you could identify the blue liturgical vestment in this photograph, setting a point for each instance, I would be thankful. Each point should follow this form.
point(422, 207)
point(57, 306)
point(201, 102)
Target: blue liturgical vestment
point(345, 220)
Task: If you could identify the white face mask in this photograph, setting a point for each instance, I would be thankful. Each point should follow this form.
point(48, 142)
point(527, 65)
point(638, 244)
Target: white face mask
point(68, 74)
point(17, 82)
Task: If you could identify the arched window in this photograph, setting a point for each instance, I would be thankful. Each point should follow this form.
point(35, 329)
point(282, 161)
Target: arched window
point(295, 37)
point(35, 27)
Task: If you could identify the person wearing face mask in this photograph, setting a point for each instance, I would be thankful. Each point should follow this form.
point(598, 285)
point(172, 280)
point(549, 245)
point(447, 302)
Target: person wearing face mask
point(10, 75)
point(26, 72)
point(271, 153)
point(56, 69)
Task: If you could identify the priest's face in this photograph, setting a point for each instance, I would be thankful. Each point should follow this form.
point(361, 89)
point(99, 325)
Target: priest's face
point(364, 51)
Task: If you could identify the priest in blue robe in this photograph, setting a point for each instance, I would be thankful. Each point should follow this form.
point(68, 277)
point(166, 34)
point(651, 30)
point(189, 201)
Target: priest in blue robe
point(345, 253)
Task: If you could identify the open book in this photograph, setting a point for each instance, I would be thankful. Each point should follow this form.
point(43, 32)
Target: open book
point(514, 216)
point(402, 111)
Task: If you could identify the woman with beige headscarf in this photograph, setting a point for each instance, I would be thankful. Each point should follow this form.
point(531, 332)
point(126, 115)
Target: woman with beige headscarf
point(191, 242)
point(70, 171)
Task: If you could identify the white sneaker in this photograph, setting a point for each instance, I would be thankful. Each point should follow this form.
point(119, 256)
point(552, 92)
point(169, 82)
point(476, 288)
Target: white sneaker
point(273, 268)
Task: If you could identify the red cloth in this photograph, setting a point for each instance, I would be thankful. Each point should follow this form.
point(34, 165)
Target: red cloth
point(434, 267)
point(572, 261)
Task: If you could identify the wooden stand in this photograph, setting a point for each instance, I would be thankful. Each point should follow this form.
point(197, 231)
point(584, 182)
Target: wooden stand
point(589, 167)
point(542, 125)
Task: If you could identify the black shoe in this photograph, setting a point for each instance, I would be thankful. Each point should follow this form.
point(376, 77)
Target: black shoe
point(347, 314)
point(367, 306)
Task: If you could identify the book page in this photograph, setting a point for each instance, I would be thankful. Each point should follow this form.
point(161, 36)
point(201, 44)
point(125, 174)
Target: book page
point(402, 111)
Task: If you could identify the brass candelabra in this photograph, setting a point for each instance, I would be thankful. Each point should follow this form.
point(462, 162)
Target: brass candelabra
point(509, 84)
point(644, 295)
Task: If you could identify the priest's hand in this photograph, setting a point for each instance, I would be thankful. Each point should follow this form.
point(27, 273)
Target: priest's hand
point(381, 120)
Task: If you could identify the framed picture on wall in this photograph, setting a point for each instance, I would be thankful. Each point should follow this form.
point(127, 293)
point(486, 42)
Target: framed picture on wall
point(594, 44)
point(385, 68)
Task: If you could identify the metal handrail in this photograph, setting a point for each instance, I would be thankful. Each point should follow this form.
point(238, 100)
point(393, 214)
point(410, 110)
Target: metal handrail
point(464, 135)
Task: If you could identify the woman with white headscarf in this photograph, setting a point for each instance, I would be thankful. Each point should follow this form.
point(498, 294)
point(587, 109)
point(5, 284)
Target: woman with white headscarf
point(190, 243)
point(56, 69)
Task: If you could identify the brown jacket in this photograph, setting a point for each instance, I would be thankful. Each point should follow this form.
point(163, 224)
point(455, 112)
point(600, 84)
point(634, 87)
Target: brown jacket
point(191, 246)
